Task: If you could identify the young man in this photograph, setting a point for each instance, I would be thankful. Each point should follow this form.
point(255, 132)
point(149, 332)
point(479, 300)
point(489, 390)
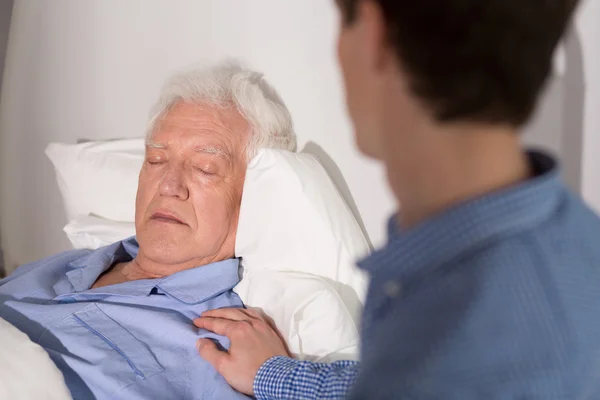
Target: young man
point(489, 286)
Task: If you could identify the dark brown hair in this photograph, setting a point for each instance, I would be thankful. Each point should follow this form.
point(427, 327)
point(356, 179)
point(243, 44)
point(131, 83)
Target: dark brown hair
point(477, 60)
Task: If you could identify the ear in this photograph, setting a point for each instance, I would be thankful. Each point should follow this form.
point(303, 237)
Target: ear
point(373, 34)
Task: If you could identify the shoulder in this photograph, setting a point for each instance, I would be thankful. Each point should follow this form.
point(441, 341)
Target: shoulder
point(546, 259)
point(509, 316)
point(542, 281)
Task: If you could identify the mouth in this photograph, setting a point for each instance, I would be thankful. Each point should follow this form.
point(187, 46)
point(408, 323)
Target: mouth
point(168, 218)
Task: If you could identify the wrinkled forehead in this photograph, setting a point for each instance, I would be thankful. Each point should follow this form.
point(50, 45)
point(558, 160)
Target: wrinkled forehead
point(216, 130)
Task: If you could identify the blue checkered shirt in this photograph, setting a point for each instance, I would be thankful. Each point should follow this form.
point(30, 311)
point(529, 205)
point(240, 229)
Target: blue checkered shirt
point(496, 298)
point(285, 378)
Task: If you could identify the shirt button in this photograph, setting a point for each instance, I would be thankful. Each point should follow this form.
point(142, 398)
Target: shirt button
point(392, 289)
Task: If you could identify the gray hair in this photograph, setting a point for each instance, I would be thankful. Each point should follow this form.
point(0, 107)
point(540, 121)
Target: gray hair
point(229, 84)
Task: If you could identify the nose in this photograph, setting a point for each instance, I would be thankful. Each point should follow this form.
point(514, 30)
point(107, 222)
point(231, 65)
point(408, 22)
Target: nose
point(173, 185)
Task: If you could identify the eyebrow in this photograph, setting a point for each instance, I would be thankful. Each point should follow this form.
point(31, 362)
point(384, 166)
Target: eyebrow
point(202, 149)
point(213, 150)
point(153, 145)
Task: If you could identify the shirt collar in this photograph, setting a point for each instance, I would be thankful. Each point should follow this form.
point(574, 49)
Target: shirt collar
point(191, 286)
point(84, 271)
point(444, 237)
point(200, 284)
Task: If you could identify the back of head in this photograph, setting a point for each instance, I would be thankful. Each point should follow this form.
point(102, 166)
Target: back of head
point(229, 84)
point(475, 60)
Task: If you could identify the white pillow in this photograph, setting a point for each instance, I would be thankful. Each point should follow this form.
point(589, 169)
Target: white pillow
point(98, 178)
point(26, 370)
point(90, 232)
point(293, 218)
point(314, 320)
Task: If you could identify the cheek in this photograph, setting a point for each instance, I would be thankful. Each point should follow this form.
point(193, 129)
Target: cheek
point(213, 207)
point(351, 71)
point(145, 192)
point(217, 205)
point(342, 53)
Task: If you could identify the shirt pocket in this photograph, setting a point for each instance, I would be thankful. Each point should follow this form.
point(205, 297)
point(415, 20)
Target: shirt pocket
point(99, 351)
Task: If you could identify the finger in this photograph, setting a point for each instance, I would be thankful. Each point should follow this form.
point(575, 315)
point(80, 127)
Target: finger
point(209, 351)
point(251, 314)
point(279, 335)
point(219, 326)
point(260, 314)
point(271, 323)
point(257, 315)
point(257, 311)
point(234, 314)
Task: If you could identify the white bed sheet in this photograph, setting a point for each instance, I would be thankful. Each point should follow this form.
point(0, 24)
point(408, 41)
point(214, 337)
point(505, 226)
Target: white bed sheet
point(26, 370)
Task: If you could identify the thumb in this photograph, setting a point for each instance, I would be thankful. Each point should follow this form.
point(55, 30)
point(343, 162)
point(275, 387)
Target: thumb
point(209, 351)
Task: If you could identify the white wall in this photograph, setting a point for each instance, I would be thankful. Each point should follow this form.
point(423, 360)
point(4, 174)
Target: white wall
point(90, 69)
point(568, 122)
point(588, 29)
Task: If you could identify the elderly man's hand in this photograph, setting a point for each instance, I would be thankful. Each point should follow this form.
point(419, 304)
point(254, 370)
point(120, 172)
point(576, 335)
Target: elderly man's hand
point(254, 340)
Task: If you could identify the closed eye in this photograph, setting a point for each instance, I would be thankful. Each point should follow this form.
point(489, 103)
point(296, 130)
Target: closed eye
point(155, 162)
point(203, 171)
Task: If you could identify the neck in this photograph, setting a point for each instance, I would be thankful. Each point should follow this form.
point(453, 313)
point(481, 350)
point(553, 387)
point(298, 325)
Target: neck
point(448, 165)
point(143, 267)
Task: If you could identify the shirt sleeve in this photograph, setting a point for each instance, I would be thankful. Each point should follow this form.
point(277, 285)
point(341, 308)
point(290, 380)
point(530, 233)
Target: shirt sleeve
point(283, 378)
point(20, 271)
point(60, 259)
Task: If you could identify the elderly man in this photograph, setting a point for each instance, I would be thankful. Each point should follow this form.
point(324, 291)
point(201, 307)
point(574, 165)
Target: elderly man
point(118, 321)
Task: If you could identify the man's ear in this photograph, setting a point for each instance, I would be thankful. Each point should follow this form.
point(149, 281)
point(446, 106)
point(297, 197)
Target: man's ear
point(373, 35)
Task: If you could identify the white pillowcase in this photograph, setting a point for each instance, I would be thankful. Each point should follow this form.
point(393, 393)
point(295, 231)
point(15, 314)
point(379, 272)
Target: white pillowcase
point(26, 370)
point(98, 178)
point(293, 218)
point(307, 310)
point(90, 232)
point(297, 238)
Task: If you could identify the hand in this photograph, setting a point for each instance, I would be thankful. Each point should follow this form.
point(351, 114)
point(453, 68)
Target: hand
point(254, 339)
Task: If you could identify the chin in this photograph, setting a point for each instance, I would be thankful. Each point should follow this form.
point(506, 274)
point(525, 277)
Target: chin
point(161, 247)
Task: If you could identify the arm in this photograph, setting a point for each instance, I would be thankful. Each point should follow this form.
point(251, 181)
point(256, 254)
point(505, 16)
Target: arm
point(19, 271)
point(289, 379)
point(25, 268)
point(258, 362)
